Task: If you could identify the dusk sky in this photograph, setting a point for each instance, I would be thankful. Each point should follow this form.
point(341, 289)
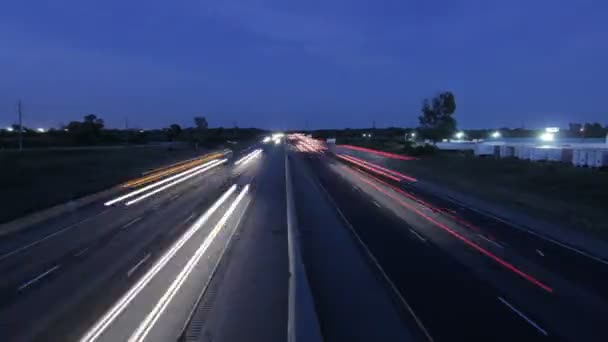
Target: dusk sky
point(316, 63)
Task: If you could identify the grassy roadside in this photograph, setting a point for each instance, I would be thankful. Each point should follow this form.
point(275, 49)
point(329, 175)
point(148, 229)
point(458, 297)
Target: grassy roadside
point(36, 179)
point(558, 193)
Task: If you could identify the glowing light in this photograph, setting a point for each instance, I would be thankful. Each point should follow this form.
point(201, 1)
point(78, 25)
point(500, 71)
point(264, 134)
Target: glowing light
point(468, 242)
point(459, 135)
point(248, 157)
point(10, 129)
point(547, 136)
point(380, 153)
point(40, 130)
point(171, 169)
point(496, 135)
point(175, 182)
point(552, 130)
point(159, 183)
point(153, 316)
point(394, 173)
point(266, 140)
point(118, 307)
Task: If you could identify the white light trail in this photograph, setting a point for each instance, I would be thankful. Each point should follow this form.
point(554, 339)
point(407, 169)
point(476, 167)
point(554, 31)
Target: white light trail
point(102, 324)
point(148, 323)
point(248, 157)
point(154, 185)
point(164, 187)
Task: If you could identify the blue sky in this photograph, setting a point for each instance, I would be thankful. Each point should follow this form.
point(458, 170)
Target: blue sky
point(296, 64)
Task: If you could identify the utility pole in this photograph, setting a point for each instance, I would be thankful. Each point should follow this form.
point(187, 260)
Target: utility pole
point(20, 136)
point(127, 131)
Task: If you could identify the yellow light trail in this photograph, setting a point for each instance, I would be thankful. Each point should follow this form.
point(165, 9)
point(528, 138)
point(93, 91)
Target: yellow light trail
point(171, 169)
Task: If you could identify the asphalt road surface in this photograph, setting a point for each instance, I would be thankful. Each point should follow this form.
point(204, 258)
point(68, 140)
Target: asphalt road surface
point(206, 259)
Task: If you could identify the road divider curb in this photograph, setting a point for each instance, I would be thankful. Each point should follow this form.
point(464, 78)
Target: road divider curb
point(302, 320)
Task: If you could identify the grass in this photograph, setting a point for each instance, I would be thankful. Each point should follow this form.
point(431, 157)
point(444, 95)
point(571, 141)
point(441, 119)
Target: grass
point(36, 179)
point(572, 197)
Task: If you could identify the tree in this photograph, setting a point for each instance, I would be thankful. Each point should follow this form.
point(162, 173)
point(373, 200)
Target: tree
point(437, 121)
point(174, 131)
point(201, 122)
point(86, 132)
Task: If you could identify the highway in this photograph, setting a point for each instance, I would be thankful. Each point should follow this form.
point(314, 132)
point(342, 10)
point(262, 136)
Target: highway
point(200, 253)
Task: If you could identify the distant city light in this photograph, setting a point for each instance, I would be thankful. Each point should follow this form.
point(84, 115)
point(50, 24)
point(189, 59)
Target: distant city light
point(66, 130)
point(496, 135)
point(266, 140)
point(582, 129)
point(547, 136)
point(459, 135)
point(552, 129)
point(40, 130)
point(413, 134)
point(9, 128)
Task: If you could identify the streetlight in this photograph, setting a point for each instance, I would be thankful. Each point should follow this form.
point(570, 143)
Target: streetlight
point(459, 135)
point(40, 130)
point(10, 129)
point(547, 136)
point(496, 135)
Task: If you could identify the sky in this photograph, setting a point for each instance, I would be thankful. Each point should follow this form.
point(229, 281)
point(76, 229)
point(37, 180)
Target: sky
point(303, 64)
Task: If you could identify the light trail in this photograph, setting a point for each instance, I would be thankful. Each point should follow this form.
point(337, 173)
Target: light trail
point(171, 169)
point(244, 160)
point(393, 172)
point(159, 183)
point(380, 153)
point(369, 168)
point(440, 225)
point(175, 182)
point(102, 324)
point(144, 328)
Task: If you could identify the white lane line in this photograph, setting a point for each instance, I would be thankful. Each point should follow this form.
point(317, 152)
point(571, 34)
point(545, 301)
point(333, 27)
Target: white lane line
point(159, 183)
point(538, 235)
point(418, 235)
point(520, 314)
point(132, 222)
point(153, 316)
point(134, 268)
point(189, 218)
point(49, 271)
point(63, 230)
point(376, 204)
point(378, 266)
point(491, 241)
point(82, 251)
point(174, 197)
point(175, 182)
point(540, 252)
point(102, 324)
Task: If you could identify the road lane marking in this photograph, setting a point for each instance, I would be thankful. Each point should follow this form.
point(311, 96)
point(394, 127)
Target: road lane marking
point(82, 251)
point(49, 271)
point(132, 222)
point(376, 204)
point(161, 182)
point(174, 197)
point(134, 268)
point(529, 231)
point(63, 230)
point(491, 241)
point(144, 328)
point(378, 266)
point(175, 182)
point(393, 194)
point(355, 188)
point(189, 218)
point(244, 160)
point(417, 235)
point(540, 252)
point(102, 324)
point(520, 314)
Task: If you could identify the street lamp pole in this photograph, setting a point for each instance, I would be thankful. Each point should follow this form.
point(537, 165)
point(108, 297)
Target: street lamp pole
point(20, 136)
